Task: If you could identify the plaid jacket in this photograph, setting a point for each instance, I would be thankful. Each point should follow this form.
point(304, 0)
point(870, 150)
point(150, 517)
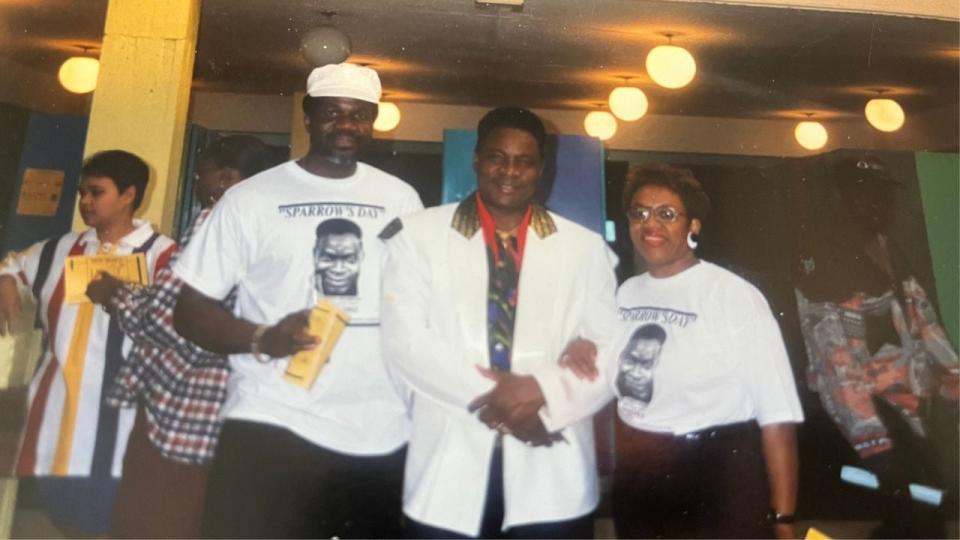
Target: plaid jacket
point(180, 385)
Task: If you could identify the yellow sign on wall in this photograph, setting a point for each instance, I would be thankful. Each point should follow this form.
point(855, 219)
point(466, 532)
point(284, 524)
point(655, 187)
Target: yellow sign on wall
point(40, 192)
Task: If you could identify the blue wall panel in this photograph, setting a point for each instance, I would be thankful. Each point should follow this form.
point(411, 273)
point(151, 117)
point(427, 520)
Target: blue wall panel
point(52, 142)
point(577, 192)
point(458, 178)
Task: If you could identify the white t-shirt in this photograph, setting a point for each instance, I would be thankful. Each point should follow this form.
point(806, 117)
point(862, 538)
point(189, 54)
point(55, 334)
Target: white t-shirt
point(285, 238)
point(703, 350)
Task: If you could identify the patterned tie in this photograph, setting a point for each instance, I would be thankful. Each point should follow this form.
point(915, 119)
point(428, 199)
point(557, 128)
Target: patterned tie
point(503, 258)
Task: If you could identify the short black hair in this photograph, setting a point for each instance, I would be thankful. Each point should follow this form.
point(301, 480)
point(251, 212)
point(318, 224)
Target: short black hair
point(649, 331)
point(511, 117)
point(123, 168)
point(309, 103)
point(248, 155)
point(681, 181)
point(338, 226)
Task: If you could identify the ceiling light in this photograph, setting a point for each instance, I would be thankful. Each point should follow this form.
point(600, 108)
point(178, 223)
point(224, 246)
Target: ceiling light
point(79, 74)
point(811, 135)
point(628, 103)
point(600, 124)
point(884, 114)
point(325, 45)
point(671, 66)
point(388, 117)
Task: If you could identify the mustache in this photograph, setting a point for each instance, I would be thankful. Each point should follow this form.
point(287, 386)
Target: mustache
point(343, 133)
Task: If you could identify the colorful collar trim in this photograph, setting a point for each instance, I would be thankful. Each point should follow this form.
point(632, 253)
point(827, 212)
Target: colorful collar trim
point(466, 219)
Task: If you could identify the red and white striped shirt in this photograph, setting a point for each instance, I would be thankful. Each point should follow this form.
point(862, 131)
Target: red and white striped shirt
point(69, 432)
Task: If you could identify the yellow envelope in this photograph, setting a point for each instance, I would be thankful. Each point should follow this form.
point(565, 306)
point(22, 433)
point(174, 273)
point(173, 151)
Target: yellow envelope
point(80, 270)
point(327, 321)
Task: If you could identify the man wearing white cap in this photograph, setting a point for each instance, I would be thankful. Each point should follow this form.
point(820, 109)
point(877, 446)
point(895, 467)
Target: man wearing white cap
point(294, 462)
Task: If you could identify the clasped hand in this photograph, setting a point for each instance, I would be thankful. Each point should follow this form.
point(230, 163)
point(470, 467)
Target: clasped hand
point(511, 408)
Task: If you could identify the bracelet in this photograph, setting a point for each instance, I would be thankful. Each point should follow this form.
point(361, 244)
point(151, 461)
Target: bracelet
point(773, 517)
point(255, 343)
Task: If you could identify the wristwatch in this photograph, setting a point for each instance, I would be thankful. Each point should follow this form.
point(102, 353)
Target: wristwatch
point(773, 517)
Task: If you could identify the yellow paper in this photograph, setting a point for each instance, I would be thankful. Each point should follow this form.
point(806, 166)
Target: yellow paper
point(80, 270)
point(327, 322)
point(40, 192)
point(815, 534)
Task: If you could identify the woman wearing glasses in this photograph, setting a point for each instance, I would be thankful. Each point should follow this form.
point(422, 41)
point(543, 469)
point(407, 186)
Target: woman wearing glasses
point(705, 438)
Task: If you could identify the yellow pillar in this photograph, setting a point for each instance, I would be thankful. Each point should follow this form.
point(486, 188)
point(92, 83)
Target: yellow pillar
point(140, 104)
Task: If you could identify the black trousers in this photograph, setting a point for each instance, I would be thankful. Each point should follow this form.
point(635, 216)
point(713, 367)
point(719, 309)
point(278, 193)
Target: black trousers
point(492, 521)
point(710, 485)
point(267, 482)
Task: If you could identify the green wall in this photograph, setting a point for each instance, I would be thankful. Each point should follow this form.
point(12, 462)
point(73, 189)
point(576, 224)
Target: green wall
point(939, 177)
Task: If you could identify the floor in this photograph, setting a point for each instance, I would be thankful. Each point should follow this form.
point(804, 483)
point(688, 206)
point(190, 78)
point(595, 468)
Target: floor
point(33, 523)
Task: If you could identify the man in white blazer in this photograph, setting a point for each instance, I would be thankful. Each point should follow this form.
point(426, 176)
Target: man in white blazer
point(480, 351)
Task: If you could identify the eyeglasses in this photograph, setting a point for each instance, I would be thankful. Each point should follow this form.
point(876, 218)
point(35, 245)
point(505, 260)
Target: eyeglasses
point(664, 214)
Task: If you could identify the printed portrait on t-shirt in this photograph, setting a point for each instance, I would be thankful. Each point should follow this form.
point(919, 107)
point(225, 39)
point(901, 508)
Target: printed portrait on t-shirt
point(338, 254)
point(637, 363)
point(337, 257)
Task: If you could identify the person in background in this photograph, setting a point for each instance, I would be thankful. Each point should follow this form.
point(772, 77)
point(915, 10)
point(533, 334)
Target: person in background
point(296, 462)
point(481, 298)
point(711, 451)
point(176, 387)
point(878, 357)
point(73, 445)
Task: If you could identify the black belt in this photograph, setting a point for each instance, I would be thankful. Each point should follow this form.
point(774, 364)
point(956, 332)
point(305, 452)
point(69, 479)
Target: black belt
point(721, 432)
point(712, 433)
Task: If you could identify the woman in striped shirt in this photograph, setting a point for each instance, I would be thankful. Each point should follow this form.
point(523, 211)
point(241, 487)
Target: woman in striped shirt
point(73, 445)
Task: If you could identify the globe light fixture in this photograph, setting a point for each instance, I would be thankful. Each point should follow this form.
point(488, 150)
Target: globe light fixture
point(671, 66)
point(884, 114)
point(325, 45)
point(811, 135)
point(600, 124)
point(388, 117)
point(78, 74)
point(628, 103)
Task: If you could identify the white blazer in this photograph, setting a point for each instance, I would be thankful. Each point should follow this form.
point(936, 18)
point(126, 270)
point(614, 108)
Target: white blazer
point(434, 334)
